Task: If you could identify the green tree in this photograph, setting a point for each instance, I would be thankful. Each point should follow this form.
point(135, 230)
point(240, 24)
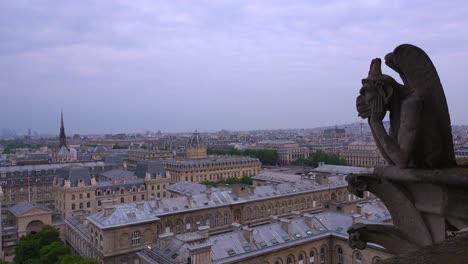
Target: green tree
point(50, 253)
point(27, 248)
point(73, 259)
point(320, 156)
point(266, 156)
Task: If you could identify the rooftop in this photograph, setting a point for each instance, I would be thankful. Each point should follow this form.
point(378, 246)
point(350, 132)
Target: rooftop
point(340, 169)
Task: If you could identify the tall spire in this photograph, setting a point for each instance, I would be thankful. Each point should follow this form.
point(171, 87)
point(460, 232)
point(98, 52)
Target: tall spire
point(63, 138)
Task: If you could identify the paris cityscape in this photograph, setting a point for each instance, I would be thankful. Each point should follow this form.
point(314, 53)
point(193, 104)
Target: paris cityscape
point(233, 132)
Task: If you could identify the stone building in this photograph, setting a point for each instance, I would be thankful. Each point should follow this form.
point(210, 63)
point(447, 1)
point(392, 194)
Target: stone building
point(212, 168)
point(364, 154)
point(306, 238)
point(63, 154)
point(136, 155)
point(288, 151)
point(120, 231)
point(34, 182)
point(78, 192)
point(196, 148)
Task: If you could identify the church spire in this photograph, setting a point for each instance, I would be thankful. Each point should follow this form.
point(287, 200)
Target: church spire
point(63, 138)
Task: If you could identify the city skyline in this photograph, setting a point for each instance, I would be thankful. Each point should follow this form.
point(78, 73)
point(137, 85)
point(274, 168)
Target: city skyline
point(125, 67)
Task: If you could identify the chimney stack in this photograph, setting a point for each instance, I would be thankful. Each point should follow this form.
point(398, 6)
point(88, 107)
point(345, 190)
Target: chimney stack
point(356, 218)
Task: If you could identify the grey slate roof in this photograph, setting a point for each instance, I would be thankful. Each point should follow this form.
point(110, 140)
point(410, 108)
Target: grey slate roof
point(24, 207)
point(48, 166)
point(74, 174)
point(225, 196)
point(151, 166)
point(117, 174)
point(184, 187)
point(235, 246)
point(339, 169)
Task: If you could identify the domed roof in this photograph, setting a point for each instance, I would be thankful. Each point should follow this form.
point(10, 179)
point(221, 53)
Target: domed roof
point(195, 140)
point(100, 149)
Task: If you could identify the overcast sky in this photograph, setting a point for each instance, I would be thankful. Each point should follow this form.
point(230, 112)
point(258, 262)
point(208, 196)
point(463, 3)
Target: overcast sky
point(180, 65)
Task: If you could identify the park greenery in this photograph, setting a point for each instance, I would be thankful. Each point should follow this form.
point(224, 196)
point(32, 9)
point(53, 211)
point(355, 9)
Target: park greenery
point(321, 156)
point(266, 156)
point(243, 180)
point(10, 145)
point(45, 247)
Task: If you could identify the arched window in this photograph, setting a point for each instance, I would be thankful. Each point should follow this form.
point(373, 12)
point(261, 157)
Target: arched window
point(136, 238)
point(357, 258)
point(216, 223)
point(226, 218)
point(340, 256)
point(312, 257)
point(289, 260)
point(376, 260)
point(300, 259)
point(322, 255)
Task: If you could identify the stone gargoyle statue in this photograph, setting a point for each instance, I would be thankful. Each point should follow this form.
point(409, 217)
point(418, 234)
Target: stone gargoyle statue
point(423, 189)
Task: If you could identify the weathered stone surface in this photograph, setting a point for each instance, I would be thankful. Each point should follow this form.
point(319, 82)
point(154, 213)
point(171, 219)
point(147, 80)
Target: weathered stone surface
point(450, 251)
point(420, 134)
point(423, 189)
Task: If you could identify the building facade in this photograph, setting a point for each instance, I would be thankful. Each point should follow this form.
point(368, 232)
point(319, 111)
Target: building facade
point(143, 222)
point(288, 151)
point(363, 154)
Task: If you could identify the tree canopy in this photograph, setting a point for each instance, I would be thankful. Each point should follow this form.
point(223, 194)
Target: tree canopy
point(243, 180)
point(320, 156)
point(45, 247)
point(266, 156)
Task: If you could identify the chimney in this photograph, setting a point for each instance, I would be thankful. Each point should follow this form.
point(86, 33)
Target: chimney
point(189, 199)
point(240, 190)
point(286, 225)
point(236, 226)
point(296, 214)
point(252, 189)
point(158, 202)
point(208, 193)
point(203, 230)
point(356, 218)
point(358, 208)
point(108, 211)
point(368, 215)
point(140, 206)
point(93, 181)
point(248, 234)
point(147, 176)
point(275, 186)
point(164, 240)
point(309, 220)
point(273, 219)
point(321, 179)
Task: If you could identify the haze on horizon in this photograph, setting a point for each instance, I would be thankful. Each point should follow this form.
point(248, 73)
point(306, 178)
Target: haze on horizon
point(127, 66)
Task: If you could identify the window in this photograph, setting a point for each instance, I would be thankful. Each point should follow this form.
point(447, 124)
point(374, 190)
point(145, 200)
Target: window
point(216, 223)
point(88, 195)
point(121, 200)
point(121, 191)
point(322, 255)
point(88, 204)
point(357, 258)
point(136, 238)
point(73, 206)
point(81, 196)
point(226, 218)
point(300, 259)
point(73, 197)
point(152, 187)
point(289, 260)
point(99, 202)
point(340, 256)
point(142, 197)
point(134, 198)
point(81, 205)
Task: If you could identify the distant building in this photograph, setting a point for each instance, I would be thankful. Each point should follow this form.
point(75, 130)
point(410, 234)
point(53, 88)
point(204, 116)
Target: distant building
point(196, 148)
point(136, 155)
point(364, 154)
point(288, 151)
point(118, 232)
point(63, 154)
point(334, 133)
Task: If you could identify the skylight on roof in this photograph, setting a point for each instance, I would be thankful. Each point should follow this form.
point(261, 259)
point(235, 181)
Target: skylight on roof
point(247, 248)
point(298, 235)
point(231, 251)
point(309, 232)
point(263, 244)
point(274, 241)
